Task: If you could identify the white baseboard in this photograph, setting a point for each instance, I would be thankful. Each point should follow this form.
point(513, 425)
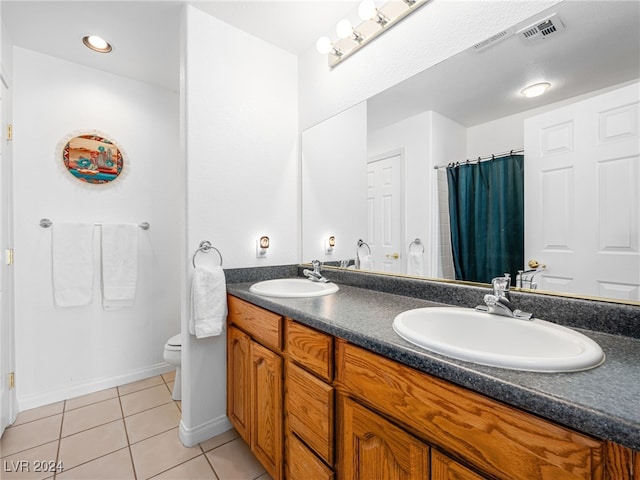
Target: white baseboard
point(192, 436)
point(40, 399)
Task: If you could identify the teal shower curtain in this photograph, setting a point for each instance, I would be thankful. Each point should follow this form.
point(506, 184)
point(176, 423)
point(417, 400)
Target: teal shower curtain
point(486, 212)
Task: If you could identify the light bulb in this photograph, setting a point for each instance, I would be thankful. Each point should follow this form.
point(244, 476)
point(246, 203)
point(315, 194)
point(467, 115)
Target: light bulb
point(367, 9)
point(344, 28)
point(96, 43)
point(323, 45)
point(535, 90)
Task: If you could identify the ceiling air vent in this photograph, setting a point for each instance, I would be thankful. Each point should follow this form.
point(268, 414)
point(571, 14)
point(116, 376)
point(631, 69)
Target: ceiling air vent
point(491, 40)
point(542, 29)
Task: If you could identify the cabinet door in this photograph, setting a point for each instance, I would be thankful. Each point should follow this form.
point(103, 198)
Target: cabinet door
point(238, 386)
point(266, 408)
point(444, 468)
point(371, 447)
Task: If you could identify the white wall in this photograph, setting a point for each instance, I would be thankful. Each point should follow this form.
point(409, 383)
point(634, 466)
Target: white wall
point(437, 31)
point(241, 143)
point(62, 352)
point(334, 185)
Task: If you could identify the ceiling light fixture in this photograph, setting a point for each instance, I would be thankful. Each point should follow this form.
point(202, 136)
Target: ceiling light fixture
point(96, 43)
point(535, 90)
point(377, 17)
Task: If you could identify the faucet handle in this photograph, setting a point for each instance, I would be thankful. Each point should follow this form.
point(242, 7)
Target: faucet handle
point(316, 265)
point(501, 285)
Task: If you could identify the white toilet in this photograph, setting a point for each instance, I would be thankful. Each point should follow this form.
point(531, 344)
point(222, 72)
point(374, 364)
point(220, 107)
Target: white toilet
point(173, 355)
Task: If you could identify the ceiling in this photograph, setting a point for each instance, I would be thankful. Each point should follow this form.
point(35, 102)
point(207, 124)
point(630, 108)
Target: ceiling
point(145, 33)
point(599, 46)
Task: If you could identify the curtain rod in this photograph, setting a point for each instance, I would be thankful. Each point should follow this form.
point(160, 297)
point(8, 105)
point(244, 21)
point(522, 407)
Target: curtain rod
point(480, 159)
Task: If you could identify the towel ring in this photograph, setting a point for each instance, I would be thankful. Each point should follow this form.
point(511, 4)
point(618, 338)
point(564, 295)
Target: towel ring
point(361, 243)
point(417, 242)
point(205, 247)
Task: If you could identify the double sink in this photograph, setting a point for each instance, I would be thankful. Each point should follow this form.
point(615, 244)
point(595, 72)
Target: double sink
point(470, 335)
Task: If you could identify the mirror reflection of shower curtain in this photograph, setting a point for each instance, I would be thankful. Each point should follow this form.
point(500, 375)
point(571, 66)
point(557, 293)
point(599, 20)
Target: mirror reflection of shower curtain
point(486, 211)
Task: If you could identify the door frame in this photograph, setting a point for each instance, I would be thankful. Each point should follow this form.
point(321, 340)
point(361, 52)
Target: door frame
point(8, 403)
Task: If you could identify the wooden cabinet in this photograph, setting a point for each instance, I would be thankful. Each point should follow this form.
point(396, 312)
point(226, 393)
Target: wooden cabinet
point(332, 409)
point(255, 381)
point(309, 398)
point(373, 448)
point(494, 438)
point(310, 411)
point(303, 464)
point(444, 468)
point(266, 408)
point(238, 386)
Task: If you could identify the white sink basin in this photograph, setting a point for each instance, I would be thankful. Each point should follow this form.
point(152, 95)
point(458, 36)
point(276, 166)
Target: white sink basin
point(293, 287)
point(488, 339)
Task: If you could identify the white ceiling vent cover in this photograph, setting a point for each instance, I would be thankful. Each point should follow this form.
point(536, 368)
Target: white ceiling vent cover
point(491, 40)
point(542, 29)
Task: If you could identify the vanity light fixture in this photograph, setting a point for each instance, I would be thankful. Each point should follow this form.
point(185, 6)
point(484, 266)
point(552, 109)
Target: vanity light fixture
point(377, 16)
point(96, 43)
point(329, 245)
point(262, 244)
point(535, 90)
point(344, 29)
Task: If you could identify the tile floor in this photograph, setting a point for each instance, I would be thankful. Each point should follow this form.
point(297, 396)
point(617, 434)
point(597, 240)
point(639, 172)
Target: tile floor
point(126, 432)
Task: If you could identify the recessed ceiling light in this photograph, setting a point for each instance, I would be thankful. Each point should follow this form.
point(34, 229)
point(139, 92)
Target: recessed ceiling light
point(97, 44)
point(535, 90)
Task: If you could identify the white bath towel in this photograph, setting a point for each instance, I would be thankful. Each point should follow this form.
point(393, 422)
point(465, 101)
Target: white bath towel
point(366, 262)
point(415, 264)
point(72, 263)
point(208, 302)
point(119, 265)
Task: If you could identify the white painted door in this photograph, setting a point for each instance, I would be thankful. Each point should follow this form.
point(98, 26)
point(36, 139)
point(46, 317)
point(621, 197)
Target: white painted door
point(7, 395)
point(385, 210)
point(582, 201)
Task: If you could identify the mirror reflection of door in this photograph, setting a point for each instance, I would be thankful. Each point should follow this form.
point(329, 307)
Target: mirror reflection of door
point(583, 196)
point(385, 225)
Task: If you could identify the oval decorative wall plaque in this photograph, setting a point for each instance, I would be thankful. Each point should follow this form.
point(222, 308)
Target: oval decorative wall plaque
point(93, 158)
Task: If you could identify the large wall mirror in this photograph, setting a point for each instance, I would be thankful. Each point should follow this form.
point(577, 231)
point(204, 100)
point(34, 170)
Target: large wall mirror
point(377, 172)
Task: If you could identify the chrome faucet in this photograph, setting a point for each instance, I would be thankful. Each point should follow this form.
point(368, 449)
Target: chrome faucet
point(524, 279)
point(314, 275)
point(499, 303)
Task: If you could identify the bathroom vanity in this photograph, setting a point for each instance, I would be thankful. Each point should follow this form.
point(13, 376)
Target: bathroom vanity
point(323, 388)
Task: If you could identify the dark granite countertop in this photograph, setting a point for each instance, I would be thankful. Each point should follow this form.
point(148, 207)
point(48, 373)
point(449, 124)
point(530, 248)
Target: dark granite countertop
point(603, 402)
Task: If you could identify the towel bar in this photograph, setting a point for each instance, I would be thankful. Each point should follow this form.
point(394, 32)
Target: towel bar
point(205, 247)
point(46, 223)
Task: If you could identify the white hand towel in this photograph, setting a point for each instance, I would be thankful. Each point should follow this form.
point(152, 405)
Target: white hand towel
point(415, 264)
point(366, 262)
point(119, 265)
point(72, 262)
point(208, 302)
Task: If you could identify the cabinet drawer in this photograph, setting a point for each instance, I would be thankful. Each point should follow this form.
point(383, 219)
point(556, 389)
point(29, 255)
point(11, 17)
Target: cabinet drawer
point(444, 468)
point(500, 440)
point(302, 464)
point(310, 410)
point(311, 349)
point(264, 326)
